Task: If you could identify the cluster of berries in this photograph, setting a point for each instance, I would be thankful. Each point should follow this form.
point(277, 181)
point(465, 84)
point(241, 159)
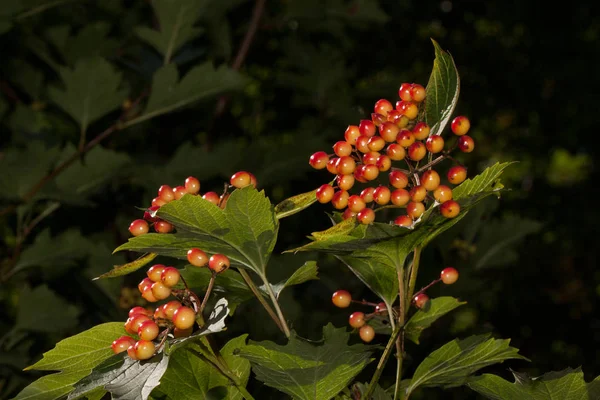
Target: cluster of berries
point(359, 320)
point(393, 134)
point(191, 186)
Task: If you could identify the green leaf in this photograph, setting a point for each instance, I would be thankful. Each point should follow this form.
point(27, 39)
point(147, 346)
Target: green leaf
point(567, 384)
point(426, 316)
point(41, 310)
point(305, 273)
point(245, 231)
point(378, 393)
point(304, 370)
point(442, 91)
point(295, 204)
point(169, 94)
point(120, 270)
point(451, 364)
point(189, 377)
point(481, 185)
point(52, 386)
point(91, 90)
point(176, 21)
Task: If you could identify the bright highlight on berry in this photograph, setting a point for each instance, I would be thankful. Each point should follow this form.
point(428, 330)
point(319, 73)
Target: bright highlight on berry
point(449, 275)
point(341, 298)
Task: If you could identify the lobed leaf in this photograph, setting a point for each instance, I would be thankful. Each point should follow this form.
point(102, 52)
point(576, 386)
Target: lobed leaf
point(308, 271)
point(424, 317)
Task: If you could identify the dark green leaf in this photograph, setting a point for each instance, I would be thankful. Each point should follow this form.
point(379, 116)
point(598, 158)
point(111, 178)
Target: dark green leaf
point(304, 370)
point(295, 204)
point(481, 185)
point(120, 270)
point(442, 91)
point(176, 21)
point(91, 90)
point(426, 316)
point(451, 364)
point(378, 393)
point(52, 386)
point(305, 273)
point(245, 231)
point(41, 310)
point(567, 384)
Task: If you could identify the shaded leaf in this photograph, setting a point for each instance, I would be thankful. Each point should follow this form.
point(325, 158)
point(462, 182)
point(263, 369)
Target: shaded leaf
point(426, 316)
point(308, 271)
point(453, 363)
point(120, 270)
point(304, 370)
point(442, 91)
point(41, 310)
point(295, 204)
point(91, 90)
point(567, 384)
point(378, 393)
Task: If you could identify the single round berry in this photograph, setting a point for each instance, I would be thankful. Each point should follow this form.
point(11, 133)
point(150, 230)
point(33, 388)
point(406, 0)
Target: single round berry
point(460, 125)
point(449, 275)
point(138, 310)
point(341, 298)
point(218, 263)
point(348, 213)
point(170, 276)
point(340, 199)
point(165, 192)
point(382, 195)
point(325, 193)
point(418, 92)
point(380, 307)
point(383, 106)
point(192, 185)
point(430, 180)
point(370, 172)
point(197, 257)
point(359, 174)
point(421, 131)
point(341, 149)
point(148, 295)
point(417, 193)
point(346, 165)
point(352, 133)
point(150, 214)
point(398, 118)
point(403, 220)
point(122, 344)
point(367, 127)
point(417, 151)
point(405, 92)
point(133, 323)
point(184, 317)
point(376, 143)
point(159, 313)
point(398, 179)
point(179, 192)
point(158, 202)
point(384, 163)
point(450, 209)
point(212, 197)
point(366, 333)
point(415, 209)
point(367, 194)
point(371, 157)
point(155, 272)
point(131, 352)
point(160, 290)
point(420, 300)
point(356, 320)
point(389, 131)
point(163, 227)
point(145, 283)
point(378, 119)
point(434, 144)
point(148, 330)
point(170, 307)
point(466, 144)
point(442, 193)
point(457, 174)
point(362, 143)
point(139, 227)
point(405, 138)
point(400, 197)
point(240, 179)
point(366, 216)
point(408, 108)
point(319, 160)
point(345, 182)
point(144, 349)
point(356, 203)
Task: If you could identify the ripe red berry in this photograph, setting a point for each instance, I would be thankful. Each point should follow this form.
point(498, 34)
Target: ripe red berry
point(184, 317)
point(169, 308)
point(149, 214)
point(382, 195)
point(430, 180)
point(442, 194)
point(319, 160)
point(376, 143)
point(212, 197)
point(380, 307)
point(415, 209)
point(170, 276)
point(197, 257)
point(218, 263)
point(362, 143)
point(131, 352)
point(366, 333)
point(418, 92)
point(405, 92)
point(367, 127)
point(420, 300)
point(148, 330)
point(405, 138)
point(421, 131)
point(396, 152)
point(163, 227)
point(145, 283)
point(408, 108)
point(340, 199)
point(348, 213)
point(460, 125)
point(165, 192)
point(341, 298)
point(397, 118)
point(138, 310)
point(457, 174)
point(450, 209)
point(367, 194)
point(384, 163)
point(345, 182)
point(366, 216)
point(144, 349)
point(466, 144)
point(133, 323)
point(192, 185)
point(449, 275)
point(148, 295)
point(417, 193)
point(179, 192)
point(400, 197)
point(325, 193)
point(378, 119)
point(158, 202)
point(357, 319)
point(160, 290)
point(371, 157)
point(417, 151)
point(382, 106)
point(341, 149)
point(356, 203)
point(403, 220)
point(398, 179)
point(122, 344)
point(155, 272)
point(139, 227)
point(359, 173)
point(389, 131)
point(240, 179)
point(159, 313)
point(434, 144)
point(352, 133)
point(370, 172)
point(346, 165)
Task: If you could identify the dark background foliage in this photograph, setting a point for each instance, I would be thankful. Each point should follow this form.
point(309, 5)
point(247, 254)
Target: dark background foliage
point(527, 262)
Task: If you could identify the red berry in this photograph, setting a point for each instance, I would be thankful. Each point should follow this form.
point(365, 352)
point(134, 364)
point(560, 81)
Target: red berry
point(133, 323)
point(340, 199)
point(158, 202)
point(362, 143)
point(367, 127)
point(420, 300)
point(192, 185)
point(122, 344)
point(155, 272)
point(138, 310)
point(179, 192)
point(405, 138)
point(357, 319)
point(159, 313)
point(163, 227)
point(434, 144)
point(169, 308)
point(149, 215)
point(341, 298)
point(345, 182)
point(442, 194)
point(400, 197)
point(430, 180)
point(197, 257)
point(449, 275)
point(378, 119)
point(382, 195)
point(371, 157)
point(367, 194)
point(240, 179)
point(408, 108)
point(405, 92)
point(380, 307)
point(148, 295)
point(417, 193)
point(370, 172)
point(145, 283)
point(144, 349)
point(403, 220)
point(184, 317)
point(165, 192)
point(131, 352)
point(457, 174)
point(466, 144)
point(397, 118)
point(148, 330)
point(160, 290)
point(417, 151)
point(383, 106)
point(170, 276)
point(366, 333)
point(389, 131)
point(421, 131)
point(212, 197)
point(460, 125)
point(341, 149)
point(352, 133)
point(384, 163)
point(398, 179)
point(356, 203)
point(366, 216)
point(139, 227)
point(396, 152)
point(325, 193)
point(348, 213)
point(418, 92)
point(346, 165)
point(450, 209)
point(376, 143)
point(319, 160)
point(359, 173)
point(415, 209)
point(218, 263)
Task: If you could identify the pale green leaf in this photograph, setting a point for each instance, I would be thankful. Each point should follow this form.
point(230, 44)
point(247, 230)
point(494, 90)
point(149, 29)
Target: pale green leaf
point(427, 315)
point(120, 270)
point(295, 204)
point(304, 370)
point(481, 185)
point(52, 386)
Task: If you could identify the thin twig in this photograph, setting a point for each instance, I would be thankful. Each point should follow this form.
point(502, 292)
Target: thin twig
point(260, 297)
point(211, 284)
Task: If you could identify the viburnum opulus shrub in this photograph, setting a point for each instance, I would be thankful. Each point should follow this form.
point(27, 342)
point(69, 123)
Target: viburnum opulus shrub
point(394, 186)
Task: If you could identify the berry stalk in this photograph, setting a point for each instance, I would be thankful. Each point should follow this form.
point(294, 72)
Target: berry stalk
point(260, 298)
